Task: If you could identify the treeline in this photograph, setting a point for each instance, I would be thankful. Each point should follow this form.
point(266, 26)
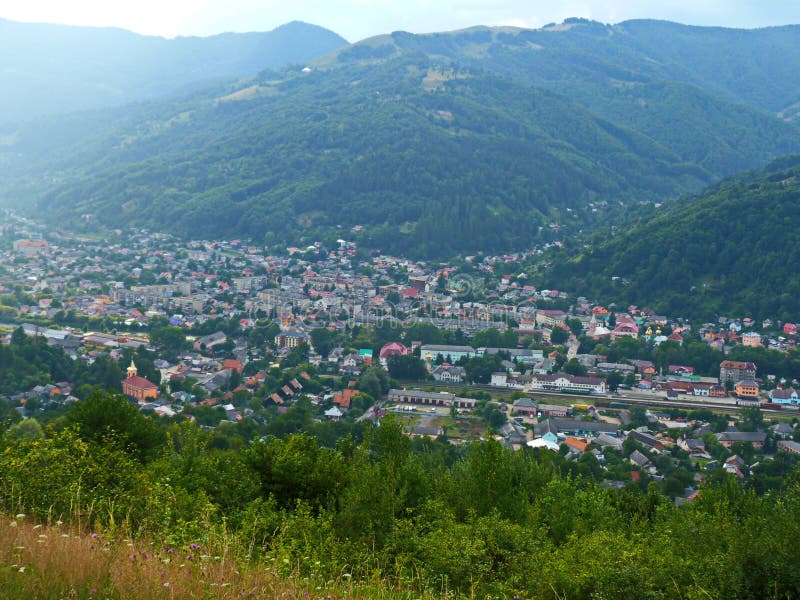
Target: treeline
point(368, 501)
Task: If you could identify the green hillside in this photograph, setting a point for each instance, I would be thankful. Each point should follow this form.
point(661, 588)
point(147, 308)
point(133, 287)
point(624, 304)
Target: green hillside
point(756, 67)
point(731, 250)
point(711, 95)
point(428, 158)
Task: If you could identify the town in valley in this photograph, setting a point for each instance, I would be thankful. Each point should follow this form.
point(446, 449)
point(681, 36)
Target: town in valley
point(239, 338)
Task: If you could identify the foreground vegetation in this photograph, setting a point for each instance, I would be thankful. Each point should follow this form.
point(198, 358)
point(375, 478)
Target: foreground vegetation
point(421, 517)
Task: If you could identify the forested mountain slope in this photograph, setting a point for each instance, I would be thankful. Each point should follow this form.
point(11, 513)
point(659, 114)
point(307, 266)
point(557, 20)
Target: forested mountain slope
point(437, 159)
point(732, 249)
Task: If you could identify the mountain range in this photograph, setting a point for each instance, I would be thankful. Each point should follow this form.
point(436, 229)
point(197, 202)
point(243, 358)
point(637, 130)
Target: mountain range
point(49, 69)
point(482, 139)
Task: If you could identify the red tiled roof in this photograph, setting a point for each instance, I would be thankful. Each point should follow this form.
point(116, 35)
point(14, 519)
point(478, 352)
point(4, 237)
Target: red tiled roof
point(141, 383)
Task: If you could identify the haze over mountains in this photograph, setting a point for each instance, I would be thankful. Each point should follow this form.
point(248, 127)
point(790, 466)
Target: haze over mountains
point(438, 144)
point(47, 69)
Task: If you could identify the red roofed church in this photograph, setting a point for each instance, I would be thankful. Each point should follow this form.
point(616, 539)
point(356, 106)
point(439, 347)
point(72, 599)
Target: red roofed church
point(138, 388)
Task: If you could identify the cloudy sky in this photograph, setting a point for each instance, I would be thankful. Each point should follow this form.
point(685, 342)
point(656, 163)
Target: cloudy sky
point(357, 19)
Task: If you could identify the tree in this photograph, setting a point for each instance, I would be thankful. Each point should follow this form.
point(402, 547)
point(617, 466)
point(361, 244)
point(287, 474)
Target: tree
point(559, 336)
point(169, 340)
point(323, 340)
point(111, 418)
point(752, 419)
point(574, 367)
point(613, 380)
point(575, 326)
point(406, 367)
point(27, 429)
point(480, 368)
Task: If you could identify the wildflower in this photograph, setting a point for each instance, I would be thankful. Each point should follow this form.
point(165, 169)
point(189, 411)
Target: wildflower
point(95, 536)
point(20, 516)
point(194, 546)
point(166, 584)
point(59, 523)
point(191, 559)
point(13, 524)
point(92, 591)
point(37, 526)
point(22, 569)
point(170, 550)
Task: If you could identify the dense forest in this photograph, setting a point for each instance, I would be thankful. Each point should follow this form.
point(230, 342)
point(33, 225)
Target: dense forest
point(476, 521)
point(729, 250)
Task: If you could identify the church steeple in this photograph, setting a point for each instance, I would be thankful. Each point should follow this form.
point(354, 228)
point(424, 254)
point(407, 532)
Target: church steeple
point(132, 370)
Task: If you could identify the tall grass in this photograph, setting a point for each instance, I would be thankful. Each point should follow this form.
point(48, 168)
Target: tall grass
point(40, 561)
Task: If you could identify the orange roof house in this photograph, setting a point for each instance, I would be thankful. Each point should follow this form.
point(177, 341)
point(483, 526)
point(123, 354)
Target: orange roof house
point(344, 398)
point(577, 444)
point(233, 365)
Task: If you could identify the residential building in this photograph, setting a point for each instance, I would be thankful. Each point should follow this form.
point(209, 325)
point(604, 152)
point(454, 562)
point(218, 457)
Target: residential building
point(562, 382)
point(789, 446)
point(735, 370)
point(747, 388)
point(787, 396)
point(751, 339)
point(729, 438)
point(452, 354)
point(449, 374)
point(291, 339)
